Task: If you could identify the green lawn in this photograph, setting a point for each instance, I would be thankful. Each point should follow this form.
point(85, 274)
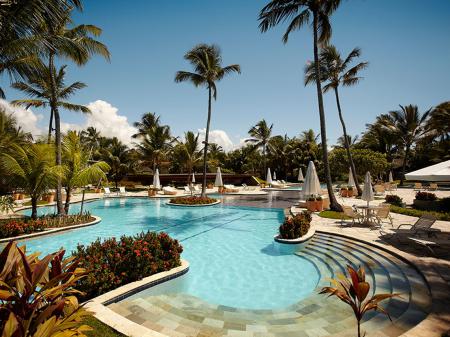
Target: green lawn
point(333, 215)
point(100, 329)
point(418, 213)
point(40, 202)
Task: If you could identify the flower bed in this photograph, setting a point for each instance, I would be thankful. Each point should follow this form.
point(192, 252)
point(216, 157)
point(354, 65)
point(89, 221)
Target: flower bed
point(295, 227)
point(14, 227)
point(112, 263)
point(194, 200)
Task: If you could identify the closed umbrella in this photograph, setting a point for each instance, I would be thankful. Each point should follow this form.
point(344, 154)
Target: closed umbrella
point(274, 175)
point(367, 193)
point(193, 177)
point(156, 183)
point(300, 175)
point(269, 177)
point(391, 179)
point(311, 186)
point(351, 180)
point(218, 182)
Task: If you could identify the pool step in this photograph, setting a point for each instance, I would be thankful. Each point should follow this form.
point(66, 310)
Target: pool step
point(184, 315)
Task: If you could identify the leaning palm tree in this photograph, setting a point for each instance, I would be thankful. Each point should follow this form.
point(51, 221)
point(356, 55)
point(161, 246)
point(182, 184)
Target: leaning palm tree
point(301, 12)
point(78, 171)
point(33, 168)
point(260, 134)
point(408, 125)
point(335, 72)
point(207, 63)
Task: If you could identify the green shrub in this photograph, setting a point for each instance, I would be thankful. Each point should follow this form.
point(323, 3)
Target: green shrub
point(394, 200)
point(426, 196)
point(296, 226)
point(112, 263)
point(192, 200)
point(445, 204)
point(418, 213)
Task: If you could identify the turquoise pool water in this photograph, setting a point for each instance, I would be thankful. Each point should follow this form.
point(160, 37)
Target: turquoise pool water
point(230, 249)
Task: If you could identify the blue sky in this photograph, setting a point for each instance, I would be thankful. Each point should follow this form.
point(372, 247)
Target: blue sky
point(405, 41)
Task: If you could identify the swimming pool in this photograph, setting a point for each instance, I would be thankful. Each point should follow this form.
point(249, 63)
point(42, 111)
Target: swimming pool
point(233, 261)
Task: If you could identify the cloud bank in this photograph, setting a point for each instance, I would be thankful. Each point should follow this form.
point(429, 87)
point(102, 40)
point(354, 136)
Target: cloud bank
point(26, 118)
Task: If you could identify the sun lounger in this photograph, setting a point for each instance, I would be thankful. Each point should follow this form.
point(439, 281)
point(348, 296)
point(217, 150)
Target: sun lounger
point(230, 188)
point(426, 243)
point(122, 191)
point(245, 187)
point(260, 182)
point(277, 184)
point(168, 190)
point(421, 226)
point(107, 192)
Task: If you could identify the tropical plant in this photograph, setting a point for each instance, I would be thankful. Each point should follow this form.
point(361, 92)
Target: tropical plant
point(6, 204)
point(207, 63)
point(193, 200)
point(335, 72)
point(33, 168)
point(155, 145)
point(38, 296)
point(354, 292)
point(91, 139)
point(408, 125)
point(78, 171)
point(190, 152)
point(148, 121)
point(117, 156)
point(302, 12)
point(10, 132)
point(296, 226)
point(260, 134)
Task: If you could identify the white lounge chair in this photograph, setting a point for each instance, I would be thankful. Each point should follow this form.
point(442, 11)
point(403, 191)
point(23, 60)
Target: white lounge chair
point(230, 188)
point(122, 192)
point(277, 184)
point(107, 192)
point(169, 190)
point(245, 187)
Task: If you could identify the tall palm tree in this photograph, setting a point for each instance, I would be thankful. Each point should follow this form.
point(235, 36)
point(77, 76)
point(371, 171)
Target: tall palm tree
point(207, 63)
point(335, 72)
point(300, 12)
point(261, 134)
point(33, 168)
point(148, 121)
point(408, 125)
point(155, 145)
point(191, 152)
point(440, 120)
point(91, 138)
point(116, 155)
point(78, 171)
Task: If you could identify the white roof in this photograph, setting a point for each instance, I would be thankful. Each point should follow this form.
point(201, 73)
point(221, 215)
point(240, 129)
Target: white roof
point(437, 172)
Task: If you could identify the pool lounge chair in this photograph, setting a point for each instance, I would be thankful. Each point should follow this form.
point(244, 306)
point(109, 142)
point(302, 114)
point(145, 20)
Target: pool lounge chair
point(230, 188)
point(122, 192)
point(260, 182)
point(169, 190)
point(421, 226)
point(245, 187)
point(107, 192)
point(278, 184)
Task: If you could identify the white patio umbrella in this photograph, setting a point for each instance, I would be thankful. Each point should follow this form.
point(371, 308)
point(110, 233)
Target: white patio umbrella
point(193, 177)
point(391, 179)
point(300, 175)
point(367, 193)
point(274, 175)
point(218, 181)
point(351, 180)
point(156, 183)
point(311, 186)
point(269, 176)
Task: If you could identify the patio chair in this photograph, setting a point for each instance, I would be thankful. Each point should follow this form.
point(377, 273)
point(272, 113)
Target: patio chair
point(379, 189)
point(107, 192)
point(383, 213)
point(433, 187)
point(418, 186)
point(122, 192)
point(422, 225)
point(348, 211)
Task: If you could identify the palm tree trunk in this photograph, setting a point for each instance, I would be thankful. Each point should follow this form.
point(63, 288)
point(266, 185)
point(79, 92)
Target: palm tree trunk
point(405, 158)
point(334, 205)
point(50, 127)
point(67, 204)
point(264, 162)
point(54, 109)
point(82, 202)
point(346, 144)
point(205, 150)
point(34, 208)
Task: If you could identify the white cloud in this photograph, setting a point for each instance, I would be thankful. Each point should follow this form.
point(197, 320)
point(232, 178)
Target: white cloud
point(219, 137)
point(26, 118)
point(104, 118)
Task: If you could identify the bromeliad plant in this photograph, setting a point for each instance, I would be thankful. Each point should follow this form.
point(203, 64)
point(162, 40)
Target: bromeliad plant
point(354, 292)
point(37, 296)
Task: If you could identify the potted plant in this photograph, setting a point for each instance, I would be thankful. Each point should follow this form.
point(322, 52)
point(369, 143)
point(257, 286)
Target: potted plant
point(210, 185)
point(311, 204)
point(151, 192)
point(49, 197)
point(318, 204)
point(344, 191)
point(98, 190)
point(350, 192)
point(221, 189)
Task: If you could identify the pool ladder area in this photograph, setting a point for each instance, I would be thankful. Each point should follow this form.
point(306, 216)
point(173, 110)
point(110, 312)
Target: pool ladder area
point(185, 315)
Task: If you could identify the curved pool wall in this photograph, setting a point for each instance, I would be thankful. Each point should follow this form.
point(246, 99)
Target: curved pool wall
point(233, 261)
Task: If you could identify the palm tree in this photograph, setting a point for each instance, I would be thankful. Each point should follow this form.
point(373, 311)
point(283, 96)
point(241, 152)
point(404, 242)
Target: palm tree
point(207, 63)
point(440, 120)
point(408, 125)
point(335, 72)
point(116, 155)
point(300, 11)
point(78, 172)
point(148, 121)
point(261, 134)
point(155, 145)
point(190, 152)
point(91, 138)
point(33, 168)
